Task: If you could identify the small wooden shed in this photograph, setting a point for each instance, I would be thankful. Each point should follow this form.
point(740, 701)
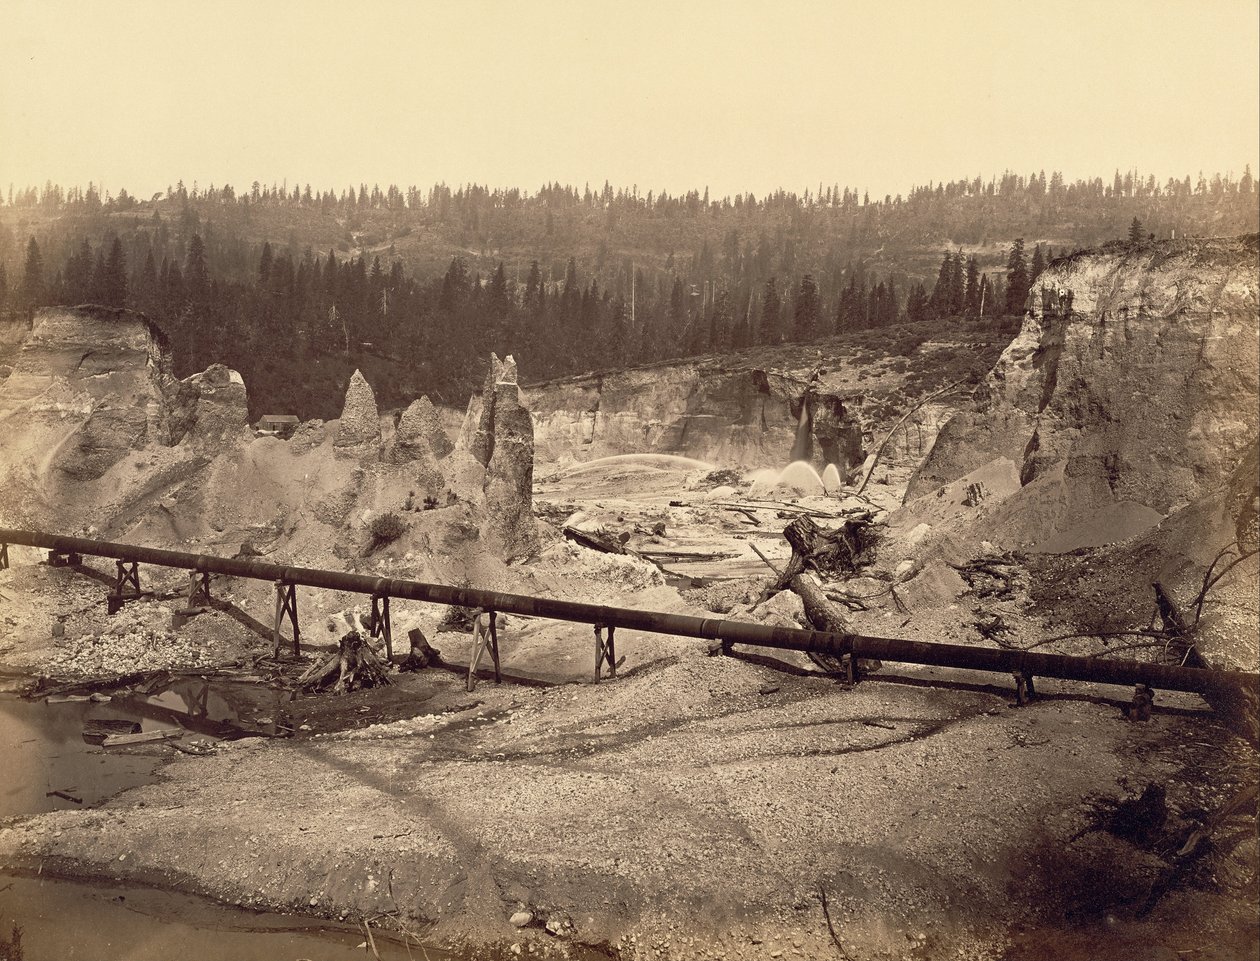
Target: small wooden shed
point(279, 425)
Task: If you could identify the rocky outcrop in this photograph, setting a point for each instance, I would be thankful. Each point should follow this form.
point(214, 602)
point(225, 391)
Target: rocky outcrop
point(501, 372)
point(419, 434)
point(88, 386)
point(1130, 391)
point(729, 413)
point(505, 437)
point(211, 408)
point(492, 464)
point(359, 429)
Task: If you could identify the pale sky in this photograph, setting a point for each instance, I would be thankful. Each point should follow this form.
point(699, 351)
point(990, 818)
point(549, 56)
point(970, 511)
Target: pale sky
point(736, 96)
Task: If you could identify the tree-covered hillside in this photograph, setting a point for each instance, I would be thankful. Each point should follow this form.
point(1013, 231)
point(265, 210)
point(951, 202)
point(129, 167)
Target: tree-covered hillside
point(296, 287)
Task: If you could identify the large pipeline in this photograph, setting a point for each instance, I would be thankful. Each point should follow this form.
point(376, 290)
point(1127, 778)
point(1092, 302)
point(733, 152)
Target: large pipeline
point(1035, 664)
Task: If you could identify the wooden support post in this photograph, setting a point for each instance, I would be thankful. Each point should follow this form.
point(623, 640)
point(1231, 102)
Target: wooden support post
point(126, 585)
point(379, 624)
point(485, 638)
point(605, 652)
point(4, 557)
point(286, 605)
point(494, 644)
point(198, 589)
point(1024, 689)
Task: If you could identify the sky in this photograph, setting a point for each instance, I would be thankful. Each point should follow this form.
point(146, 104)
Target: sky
point(735, 96)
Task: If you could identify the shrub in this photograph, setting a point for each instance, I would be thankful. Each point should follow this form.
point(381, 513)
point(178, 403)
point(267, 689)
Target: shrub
point(385, 529)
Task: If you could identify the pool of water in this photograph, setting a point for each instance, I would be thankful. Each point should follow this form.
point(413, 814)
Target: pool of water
point(44, 751)
point(68, 920)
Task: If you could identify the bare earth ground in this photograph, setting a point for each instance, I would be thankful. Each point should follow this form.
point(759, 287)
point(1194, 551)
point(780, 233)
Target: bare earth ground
point(695, 807)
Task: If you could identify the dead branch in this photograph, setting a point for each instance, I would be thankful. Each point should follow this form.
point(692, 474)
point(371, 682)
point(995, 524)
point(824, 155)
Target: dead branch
point(835, 938)
point(757, 551)
point(870, 467)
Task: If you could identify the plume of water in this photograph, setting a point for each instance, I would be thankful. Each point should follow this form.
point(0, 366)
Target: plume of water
point(831, 481)
point(799, 476)
point(658, 461)
point(803, 444)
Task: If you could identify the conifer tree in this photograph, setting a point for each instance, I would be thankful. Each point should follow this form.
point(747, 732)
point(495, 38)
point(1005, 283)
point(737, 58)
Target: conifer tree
point(971, 295)
point(769, 330)
point(1017, 283)
point(32, 278)
point(1135, 231)
point(196, 276)
point(805, 310)
point(115, 286)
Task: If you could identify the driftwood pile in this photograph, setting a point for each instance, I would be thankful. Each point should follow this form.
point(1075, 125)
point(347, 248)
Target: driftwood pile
point(355, 665)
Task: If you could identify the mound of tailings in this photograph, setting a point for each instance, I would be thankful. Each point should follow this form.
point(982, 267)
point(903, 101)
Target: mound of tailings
point(1130, 392)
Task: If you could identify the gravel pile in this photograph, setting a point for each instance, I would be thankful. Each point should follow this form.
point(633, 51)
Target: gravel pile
point(139, 638)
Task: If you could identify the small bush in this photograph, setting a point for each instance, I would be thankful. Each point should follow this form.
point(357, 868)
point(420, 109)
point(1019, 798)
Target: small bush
point(385, 529)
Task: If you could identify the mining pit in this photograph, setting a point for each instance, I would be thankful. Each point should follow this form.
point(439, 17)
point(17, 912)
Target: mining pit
point(227, 752)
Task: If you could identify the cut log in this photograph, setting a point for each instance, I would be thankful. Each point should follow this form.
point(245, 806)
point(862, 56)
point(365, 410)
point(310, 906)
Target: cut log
point(117, 740)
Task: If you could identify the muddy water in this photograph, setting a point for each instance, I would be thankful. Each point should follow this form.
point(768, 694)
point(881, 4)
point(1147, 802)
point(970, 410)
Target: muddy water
point(43, 750)
point(67, 920)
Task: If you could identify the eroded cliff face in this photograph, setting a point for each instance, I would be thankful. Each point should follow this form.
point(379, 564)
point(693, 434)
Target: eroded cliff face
point(91, 387)
point(737, 415)
point(1131, 387)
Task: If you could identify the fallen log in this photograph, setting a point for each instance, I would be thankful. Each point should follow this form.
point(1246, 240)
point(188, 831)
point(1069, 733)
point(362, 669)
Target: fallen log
point(812, 546)
point(143, 737)
point(596, 540)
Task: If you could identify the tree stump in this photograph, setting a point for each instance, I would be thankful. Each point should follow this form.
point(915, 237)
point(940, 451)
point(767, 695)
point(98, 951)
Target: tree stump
point(422, 653)
point(354, 666)
point(826, 551)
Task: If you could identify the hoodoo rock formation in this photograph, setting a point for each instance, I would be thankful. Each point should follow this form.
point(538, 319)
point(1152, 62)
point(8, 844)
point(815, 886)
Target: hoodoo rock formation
point(420, 432)
point(493, 462)
point(1130, 391)
point(510, 527)
point(359, 430)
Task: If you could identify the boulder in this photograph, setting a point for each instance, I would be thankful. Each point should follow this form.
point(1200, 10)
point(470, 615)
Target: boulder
point(210, 407)
point(359, 430)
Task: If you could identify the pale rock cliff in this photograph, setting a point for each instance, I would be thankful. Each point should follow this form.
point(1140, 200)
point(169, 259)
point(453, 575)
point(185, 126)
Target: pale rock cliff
point(726, 412)
point(1130, 391)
